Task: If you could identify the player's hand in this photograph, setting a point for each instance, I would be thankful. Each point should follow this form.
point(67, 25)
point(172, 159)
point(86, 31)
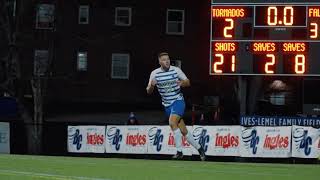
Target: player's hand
point(183, 83)
point(151, 85)
point(179, 83)
point(153, 82)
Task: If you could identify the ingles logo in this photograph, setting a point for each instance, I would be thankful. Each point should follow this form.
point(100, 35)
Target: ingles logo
point(303, 141)
point(200, 135)
point(76, 138)
point(171, 141)
point(114, 137)
point(136, 139)
point(226, 141)
point(250, 139)
point(95, 139)
point(156, 138)
point(275, 142)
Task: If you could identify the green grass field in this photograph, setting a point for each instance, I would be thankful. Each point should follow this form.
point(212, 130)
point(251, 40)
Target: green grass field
point(49, 167)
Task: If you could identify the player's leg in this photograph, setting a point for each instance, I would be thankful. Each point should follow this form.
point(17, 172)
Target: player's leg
point(188, 134)
point(177, 111)
point(173, 122)
point(179, 108)
point(183, 128)
point(191, 140)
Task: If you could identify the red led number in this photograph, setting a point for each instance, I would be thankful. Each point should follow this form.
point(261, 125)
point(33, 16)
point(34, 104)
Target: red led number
point(313, 30)
point(271, 62)
point(218, 63)
point(273, 16)
point(288, 13)
point(228, 28)
point(233, 64)
point(300, 61)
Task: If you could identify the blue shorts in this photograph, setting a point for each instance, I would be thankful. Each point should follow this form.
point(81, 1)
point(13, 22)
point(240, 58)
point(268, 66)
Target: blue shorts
point(176, 108)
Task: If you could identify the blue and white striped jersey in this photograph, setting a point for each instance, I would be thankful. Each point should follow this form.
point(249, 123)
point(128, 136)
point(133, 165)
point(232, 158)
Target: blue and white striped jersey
point(167, 84)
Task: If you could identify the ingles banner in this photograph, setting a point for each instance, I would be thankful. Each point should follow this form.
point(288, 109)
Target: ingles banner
point(204, 136)
point(135, 140)
point(126, 139)
point(218, 140)
point(158, 136)
point(305, 142)
point(265, 142)
point(86, 139)
point(115, 139)
point(274, 142)
point(161, 141)
point(187, 149)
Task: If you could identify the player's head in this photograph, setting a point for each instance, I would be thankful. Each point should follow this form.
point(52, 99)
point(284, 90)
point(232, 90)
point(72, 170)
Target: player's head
point(164, 60)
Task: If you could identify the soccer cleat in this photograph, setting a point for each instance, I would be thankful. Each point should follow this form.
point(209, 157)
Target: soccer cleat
point(178, 156)
point(202, 154)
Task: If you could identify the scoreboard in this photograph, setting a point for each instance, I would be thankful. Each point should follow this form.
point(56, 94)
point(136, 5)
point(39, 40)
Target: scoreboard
point(266, 37)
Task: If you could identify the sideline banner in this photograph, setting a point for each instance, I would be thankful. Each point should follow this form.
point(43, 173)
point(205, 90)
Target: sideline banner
point(135, 140)
point(218, 140)
point(161, 141)
point(4, 137)
point(115, 139)
point(158, 139)
point(86, 139)
point(305, 142)
point(187, 149)
point(259, 141)
point(126, 139)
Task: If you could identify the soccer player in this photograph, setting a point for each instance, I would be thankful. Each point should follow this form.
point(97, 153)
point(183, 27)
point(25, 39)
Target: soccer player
point(169, 80)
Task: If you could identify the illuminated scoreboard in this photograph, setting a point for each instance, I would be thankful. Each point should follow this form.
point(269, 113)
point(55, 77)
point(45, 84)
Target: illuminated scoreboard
point(265, 38)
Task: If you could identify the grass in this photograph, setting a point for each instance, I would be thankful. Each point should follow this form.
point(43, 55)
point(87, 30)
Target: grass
point(25, 167)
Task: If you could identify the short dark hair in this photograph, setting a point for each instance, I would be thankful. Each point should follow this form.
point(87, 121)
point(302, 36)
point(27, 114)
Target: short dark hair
point(163, 54)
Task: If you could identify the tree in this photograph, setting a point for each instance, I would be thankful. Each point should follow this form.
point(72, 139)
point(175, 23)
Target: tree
point(12, 40)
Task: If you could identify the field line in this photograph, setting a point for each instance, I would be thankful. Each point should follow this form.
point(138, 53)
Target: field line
point(46, 175)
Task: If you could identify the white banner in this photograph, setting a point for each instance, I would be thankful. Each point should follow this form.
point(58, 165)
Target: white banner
point(158, 136)
point(305, 142)
point(136, 140)
point(218, 140)
point(126, 139)
point(115, 139)
point(272, 142)
point(187, 149)
point(4, 137)
point(161, 141)
point(86, 139)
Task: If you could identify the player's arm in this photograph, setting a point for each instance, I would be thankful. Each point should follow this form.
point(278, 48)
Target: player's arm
point(184, 83)
point(151, 84)
point(183, 80)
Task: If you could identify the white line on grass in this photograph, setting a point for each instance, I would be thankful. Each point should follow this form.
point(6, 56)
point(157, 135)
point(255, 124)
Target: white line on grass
point(46, 175)
point(47, 159)
point(243, 172)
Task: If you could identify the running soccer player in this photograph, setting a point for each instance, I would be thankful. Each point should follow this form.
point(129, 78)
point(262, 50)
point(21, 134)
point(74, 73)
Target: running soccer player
point(169, 80)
